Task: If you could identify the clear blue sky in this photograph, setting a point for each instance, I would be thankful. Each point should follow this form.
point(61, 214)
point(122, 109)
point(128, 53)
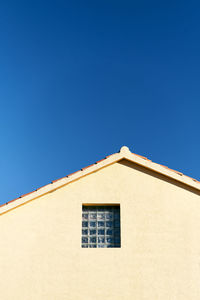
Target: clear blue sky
point(79, 79)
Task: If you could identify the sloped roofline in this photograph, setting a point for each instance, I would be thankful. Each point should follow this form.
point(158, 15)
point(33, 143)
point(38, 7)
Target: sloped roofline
point(124, 153)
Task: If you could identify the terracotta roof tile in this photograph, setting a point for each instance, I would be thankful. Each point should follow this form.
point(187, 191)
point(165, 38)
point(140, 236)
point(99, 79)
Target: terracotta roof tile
point(142, 157)
point(87, 167)
point(6, 203)
point(177, 172)
point(98, 161)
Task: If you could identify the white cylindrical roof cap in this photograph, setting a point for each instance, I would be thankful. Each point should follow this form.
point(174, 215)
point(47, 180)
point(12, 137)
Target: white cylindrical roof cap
point(124, 149)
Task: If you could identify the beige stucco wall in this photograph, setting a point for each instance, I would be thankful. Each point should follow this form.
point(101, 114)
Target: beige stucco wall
point(40, 242)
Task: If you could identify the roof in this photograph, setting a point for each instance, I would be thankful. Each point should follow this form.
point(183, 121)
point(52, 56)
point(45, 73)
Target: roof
point(124, 153)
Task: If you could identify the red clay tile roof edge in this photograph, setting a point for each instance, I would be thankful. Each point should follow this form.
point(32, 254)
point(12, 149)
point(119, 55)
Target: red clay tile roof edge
point(145, 158)
point(6, 203)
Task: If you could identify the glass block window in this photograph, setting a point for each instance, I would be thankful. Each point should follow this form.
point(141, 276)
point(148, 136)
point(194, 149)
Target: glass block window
point(101, 226)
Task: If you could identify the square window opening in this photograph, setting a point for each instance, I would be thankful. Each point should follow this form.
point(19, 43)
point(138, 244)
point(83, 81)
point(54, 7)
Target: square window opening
point(101, 226)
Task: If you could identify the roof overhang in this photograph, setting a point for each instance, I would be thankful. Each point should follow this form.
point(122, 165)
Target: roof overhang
point(124, 153)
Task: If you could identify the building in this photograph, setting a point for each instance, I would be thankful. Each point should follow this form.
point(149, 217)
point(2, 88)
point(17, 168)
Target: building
point(124, 228)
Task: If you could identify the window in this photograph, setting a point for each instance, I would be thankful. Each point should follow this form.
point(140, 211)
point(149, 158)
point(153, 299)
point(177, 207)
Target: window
point(101, 226)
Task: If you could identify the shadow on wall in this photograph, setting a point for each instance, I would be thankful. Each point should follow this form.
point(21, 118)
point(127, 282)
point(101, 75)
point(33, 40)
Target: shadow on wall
point(158, 176)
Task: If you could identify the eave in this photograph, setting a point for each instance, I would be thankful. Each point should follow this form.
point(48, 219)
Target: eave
point(124, 153)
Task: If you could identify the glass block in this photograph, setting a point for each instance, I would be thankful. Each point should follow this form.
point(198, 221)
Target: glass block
point(85, 217)
point(101, 224)
point(85, 231)
point(109, 216)
point(93, 224)
point(101, 231)
point(101, 239)
point(93, 232)
point(100, 216)
point(84, 224)
point(93, 239)
point(93, 216)
point(84, 239)
point(104, 227)
point(109, 240)
point(109, 224)
point(109, 232)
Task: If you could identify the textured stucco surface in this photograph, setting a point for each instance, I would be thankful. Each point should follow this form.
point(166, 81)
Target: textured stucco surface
point(40, 242)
